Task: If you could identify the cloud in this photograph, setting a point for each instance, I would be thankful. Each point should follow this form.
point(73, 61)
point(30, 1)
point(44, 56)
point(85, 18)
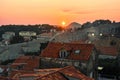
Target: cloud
point(67, 10)
point(83, 12)
point(70, 11)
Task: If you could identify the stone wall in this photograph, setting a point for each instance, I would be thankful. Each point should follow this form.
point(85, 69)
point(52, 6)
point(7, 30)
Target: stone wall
point(58, 63)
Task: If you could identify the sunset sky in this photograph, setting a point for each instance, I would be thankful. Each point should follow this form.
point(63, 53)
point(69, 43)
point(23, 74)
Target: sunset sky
point(56, 11)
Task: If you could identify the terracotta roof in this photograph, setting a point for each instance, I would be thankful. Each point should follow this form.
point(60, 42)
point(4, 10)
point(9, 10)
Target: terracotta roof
point(51, 74)
point(26, 61)
point(73, 72)
point(67, 71)
point(52, 50)
point(46, 71)
point(29, 63)
point(108, 51)
point(3, 78)
point(6, 78)
point(15, 73)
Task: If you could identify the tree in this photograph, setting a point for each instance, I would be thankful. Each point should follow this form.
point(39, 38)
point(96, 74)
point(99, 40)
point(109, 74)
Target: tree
point(99, 22)
point(113, 43)
point(43, 46)
point(86, 25)
point(17, 39)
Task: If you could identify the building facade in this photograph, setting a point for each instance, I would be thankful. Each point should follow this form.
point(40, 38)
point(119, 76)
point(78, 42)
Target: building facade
point(82, 56)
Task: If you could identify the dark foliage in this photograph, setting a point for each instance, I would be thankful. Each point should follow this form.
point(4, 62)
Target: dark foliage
point(17, 39)
point(113, 43)
point(36, 28)
point(110, 68)
point(32, 54)
point(43, 46)
point(7, 62)
point(99, 22)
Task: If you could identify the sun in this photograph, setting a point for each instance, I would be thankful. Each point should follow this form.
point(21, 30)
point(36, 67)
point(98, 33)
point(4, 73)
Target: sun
point(63, 23)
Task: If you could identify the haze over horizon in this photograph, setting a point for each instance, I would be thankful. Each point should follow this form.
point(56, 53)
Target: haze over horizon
point(55, 11)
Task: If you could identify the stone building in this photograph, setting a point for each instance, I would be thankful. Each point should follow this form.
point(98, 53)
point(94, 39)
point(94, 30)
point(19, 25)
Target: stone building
point(7, 36)
point(27, 34)
point(82, 56)
point(108, 62)
point(94, 33)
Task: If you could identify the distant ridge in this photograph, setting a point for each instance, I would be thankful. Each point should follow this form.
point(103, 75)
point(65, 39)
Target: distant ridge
point(74, 25)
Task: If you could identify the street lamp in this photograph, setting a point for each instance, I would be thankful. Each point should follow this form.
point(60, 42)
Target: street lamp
point(101, 34)
point(93, 34)
point(99, 74)
point(100, 68)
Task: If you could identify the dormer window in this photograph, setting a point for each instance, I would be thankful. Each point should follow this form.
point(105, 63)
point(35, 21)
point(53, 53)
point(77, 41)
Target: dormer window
point(63, 53)
point(77, 51)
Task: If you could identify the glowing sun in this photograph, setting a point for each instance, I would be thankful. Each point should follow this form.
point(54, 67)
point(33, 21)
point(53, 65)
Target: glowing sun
point(63, 23)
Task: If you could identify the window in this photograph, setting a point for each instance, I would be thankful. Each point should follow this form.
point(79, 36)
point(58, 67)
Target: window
point(63, 54)
point(77, 51)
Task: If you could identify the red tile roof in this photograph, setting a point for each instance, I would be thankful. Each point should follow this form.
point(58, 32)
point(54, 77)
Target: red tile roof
point(52, 50)
point(29, 62)
point(36, 72)
point(6, 78)
point(15, 73)
point(68, 71)
point(46, 71)
point(3, 78)
point(72, 72)
point(51, 74)
point(108, 51)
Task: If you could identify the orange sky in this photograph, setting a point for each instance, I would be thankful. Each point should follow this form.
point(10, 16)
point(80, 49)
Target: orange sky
point(56, 11)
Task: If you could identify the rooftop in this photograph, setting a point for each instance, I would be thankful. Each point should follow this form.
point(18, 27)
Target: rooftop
point(62, 72)
point(112, 51)
point(26, 62)
point(51, 74)
point(53, 49)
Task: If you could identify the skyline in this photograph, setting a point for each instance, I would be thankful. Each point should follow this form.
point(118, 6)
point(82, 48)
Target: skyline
point(56, 11)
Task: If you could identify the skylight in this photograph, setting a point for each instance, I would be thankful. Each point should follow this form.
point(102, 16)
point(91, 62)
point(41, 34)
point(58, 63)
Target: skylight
point(77, 51)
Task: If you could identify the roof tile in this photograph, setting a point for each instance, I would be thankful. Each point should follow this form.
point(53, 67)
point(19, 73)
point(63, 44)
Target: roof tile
point(60, 73)
point(108, 51)
point(26, 61)
point(52, 50)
